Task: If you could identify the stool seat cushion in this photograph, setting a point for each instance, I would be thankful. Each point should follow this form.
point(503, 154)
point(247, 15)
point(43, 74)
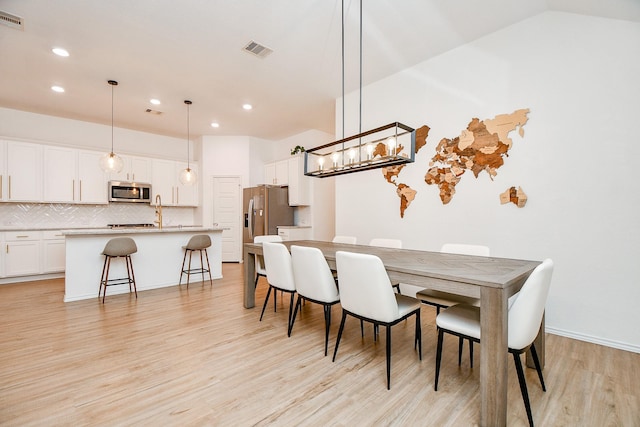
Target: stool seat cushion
point(198, 242)
point(120, 246)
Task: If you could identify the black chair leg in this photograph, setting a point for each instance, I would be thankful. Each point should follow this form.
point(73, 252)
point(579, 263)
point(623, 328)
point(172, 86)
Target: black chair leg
point(419, 334)
point(388, 357)
point(523, 387)
point(471, 353)
point(438, 357)
point(295, 312)
point(361, 328)
point(266, 300)
point(327, 324)
point(290, 314)
point(335, 350)
point(536, 362)
point(460, 345)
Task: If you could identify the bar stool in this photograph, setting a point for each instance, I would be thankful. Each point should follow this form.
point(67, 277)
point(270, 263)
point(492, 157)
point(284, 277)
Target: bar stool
point(199, 242)
point(119, 247)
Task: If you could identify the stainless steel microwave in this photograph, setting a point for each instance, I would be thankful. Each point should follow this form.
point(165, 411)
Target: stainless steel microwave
point(129, 192)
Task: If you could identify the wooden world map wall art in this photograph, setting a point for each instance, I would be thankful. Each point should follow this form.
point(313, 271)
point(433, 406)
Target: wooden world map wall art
point(481, 147)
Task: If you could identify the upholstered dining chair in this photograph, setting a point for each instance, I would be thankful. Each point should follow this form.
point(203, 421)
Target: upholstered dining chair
point(440, 299)
point(524, 317)
point(277, 261)
point(315, 283)
point(366, 294)
point(259, 260)
point(350, 240)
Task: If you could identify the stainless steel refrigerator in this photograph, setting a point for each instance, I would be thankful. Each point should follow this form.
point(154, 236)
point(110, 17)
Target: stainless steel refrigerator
point(265, 208)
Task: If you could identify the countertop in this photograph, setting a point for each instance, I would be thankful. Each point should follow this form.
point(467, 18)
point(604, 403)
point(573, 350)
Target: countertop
point(143, 230)
point(293, 226)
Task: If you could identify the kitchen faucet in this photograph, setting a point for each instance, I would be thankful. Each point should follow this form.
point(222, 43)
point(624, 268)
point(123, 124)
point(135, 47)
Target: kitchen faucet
point(159, 211)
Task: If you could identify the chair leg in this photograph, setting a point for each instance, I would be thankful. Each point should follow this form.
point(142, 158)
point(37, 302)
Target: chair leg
point(255, 284)
point(133, 277)
point(335, 350)
point(184, 258)
point(206, 254)
point(536, 362)
point(419, 334)
point(438, 357)
point(471, 353)
point(189, 270)
point(388, 357)
point(327, 324)
point(290, 313)
point(523, 387)
point(293, 319)
point(265, 302)
point(361, 328)
point(102, 279)
point(202, 266)
point(460, 345)
point(106, 277)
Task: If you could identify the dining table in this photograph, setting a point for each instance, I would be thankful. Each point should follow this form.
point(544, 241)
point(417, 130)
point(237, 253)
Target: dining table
point(491, 279)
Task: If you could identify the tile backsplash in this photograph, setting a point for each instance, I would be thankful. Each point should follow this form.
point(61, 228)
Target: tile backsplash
point(59, 215)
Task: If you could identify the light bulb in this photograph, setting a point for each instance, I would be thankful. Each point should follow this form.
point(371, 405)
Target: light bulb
point(335, 158)
point(352, 154)
point(187, 176)
point(391, 143)
point(320, 163)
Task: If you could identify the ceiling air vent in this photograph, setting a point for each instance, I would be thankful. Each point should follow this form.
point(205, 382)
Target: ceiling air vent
point(11, 20)
point(257, 49)
point(154, 112)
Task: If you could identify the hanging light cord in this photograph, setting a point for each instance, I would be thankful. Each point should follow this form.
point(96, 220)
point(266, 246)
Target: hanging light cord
point(112, 84)
point(360, 104)
point(188, 133)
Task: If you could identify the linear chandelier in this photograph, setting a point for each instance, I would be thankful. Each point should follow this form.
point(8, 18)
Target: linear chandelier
point(389, 145)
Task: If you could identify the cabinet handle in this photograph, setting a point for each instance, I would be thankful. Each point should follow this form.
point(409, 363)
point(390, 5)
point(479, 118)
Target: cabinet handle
point(177, 196)
point(7, 245)
point(80, 190)
point(22, 236)
point(9, 187)
point(73, 190)
point(0, 186)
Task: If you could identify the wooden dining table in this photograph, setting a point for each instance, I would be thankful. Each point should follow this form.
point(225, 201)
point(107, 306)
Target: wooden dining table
point(493, 280)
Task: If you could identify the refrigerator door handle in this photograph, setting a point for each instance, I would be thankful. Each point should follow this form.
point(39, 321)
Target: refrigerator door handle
point(251, 213)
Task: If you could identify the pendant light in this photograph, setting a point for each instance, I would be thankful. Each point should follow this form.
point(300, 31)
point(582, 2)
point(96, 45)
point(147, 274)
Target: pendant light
point(111, 162)
point(187, 176)
point(378, 148)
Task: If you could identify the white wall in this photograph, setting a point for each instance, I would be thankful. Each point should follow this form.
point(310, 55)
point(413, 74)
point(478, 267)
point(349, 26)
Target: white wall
point(579, 77)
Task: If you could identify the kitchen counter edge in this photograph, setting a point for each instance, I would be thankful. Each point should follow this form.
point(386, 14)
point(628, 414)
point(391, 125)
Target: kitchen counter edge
point(115, 231)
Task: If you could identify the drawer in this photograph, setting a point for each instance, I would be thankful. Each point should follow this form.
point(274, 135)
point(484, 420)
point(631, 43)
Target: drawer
point(52, 235)
point(12, 236)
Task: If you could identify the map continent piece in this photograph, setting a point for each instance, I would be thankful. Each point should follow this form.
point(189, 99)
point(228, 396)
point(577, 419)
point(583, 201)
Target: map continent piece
point(407, 195)
point(517, 197)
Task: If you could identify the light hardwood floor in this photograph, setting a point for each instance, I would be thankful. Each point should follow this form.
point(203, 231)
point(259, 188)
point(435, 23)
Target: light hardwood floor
point(197, 357)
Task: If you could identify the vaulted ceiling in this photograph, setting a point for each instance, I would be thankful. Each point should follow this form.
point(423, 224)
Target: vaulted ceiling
point(194, 49)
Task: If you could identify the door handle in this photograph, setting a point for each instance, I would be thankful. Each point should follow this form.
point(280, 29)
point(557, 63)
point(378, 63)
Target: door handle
point(251, 219)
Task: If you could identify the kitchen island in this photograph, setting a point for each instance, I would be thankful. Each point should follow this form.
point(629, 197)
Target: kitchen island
point(156, 264)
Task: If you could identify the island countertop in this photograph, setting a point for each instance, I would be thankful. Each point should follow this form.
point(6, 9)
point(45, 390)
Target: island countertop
point(138, 230)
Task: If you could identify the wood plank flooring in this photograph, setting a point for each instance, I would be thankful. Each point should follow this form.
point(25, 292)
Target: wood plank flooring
point(197, 357)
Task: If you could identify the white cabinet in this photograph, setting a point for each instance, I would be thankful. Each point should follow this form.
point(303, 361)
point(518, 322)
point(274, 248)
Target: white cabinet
point(53, 251)
point(165, 182)
point(22, 253)
point(136, 169)
point(21, 172)
point(299, 184)
point(295, 233)
point(73, 176)
point(277, 173)
point(92, 181)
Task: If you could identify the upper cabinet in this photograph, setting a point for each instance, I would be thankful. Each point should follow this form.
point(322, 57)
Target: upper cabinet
point(136, 169)
point(20, 172)
point(73, 176)
point(299, 183)
point(277, 173)
point(165, 182)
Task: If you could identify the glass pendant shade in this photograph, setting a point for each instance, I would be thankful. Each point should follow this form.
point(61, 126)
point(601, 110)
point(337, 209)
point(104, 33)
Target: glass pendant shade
point(111, 162)
point(187, 176)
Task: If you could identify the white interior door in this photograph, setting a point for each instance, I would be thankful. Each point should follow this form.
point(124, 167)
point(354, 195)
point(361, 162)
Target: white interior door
point(227, 213)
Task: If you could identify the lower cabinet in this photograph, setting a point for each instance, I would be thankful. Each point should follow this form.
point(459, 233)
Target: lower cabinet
point(53, 251)
point(295, 233)
point(22, 253)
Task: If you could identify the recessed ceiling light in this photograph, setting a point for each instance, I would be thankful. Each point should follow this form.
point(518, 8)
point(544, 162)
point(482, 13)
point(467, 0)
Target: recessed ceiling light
point(215, 125)
point(247, 106)
point(155, 101)
point(60, 51)
point(58, 89)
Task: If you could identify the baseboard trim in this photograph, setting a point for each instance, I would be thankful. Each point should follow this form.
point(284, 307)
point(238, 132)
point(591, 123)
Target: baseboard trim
point(594, 340)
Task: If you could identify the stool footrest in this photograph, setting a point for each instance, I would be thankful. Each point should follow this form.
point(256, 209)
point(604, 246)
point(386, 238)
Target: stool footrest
point(122, 281)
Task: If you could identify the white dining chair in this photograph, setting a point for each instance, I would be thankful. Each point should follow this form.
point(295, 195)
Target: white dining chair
point(440, 299)
point(388, 243)
point(277, 262)
point(350, 240)
point(259, 260)
point(315, 283)
point(524, 319)
point(366, 294)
